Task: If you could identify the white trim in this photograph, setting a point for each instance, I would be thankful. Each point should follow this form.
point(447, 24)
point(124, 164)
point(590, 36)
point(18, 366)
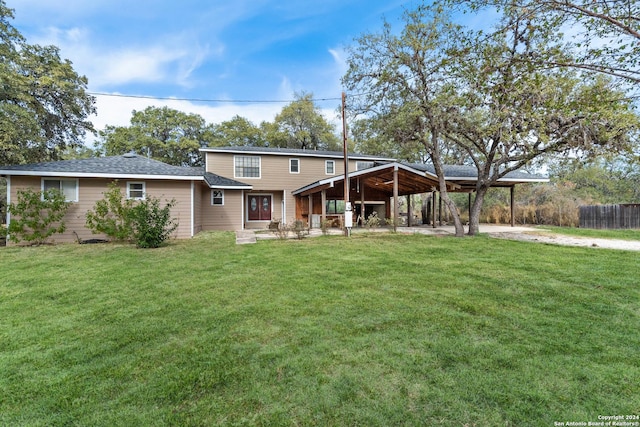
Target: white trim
point(284, 206)
point(297, 160)
point(99, 175)
point(144, 190)
point(211, 197)
point(310, 153)
point(193, 207)
point(242, 209)
point(326, 164)
point(231, 187)
point(77, 181)
point(260, 194)
point(8, 203)
point(248, 177)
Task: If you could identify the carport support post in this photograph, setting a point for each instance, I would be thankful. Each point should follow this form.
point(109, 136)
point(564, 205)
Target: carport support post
point(439, 210)
point(362, 218)
point(409, 210)
point(323, 200)
point(395, 197)
point(513, 206)
point(433, 208)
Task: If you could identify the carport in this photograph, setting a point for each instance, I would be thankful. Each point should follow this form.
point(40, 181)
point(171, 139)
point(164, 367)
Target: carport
point(378, 189)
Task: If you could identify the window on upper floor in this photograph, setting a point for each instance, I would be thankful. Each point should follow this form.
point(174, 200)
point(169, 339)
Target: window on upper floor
point(247, 166)
point(330, 167)
point(217, 197)
point(294, 165)
point(136, 190)
point(68, 187)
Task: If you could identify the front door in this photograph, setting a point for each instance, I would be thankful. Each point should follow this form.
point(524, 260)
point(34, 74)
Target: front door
point(259, 207)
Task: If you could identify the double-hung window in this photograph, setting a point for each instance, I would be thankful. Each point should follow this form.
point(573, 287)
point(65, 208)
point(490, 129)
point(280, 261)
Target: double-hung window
point(247, 166)
point(217, 197)
point(68, 187)
point(136, 190)
point(330, 167)
point(294, 165)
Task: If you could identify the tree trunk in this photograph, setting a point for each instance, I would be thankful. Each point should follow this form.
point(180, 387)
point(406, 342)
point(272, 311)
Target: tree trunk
point(474, 212)
point(437, 164)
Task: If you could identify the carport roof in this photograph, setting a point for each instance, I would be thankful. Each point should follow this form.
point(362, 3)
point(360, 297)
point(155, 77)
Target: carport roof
point(419, 178)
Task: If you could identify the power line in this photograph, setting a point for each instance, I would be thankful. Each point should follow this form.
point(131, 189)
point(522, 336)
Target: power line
point(236, 101)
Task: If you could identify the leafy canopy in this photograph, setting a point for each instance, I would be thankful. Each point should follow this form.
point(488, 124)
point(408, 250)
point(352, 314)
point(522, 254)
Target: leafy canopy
point(44, 104)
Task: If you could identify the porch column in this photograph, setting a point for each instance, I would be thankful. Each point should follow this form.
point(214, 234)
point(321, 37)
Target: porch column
point(409, 210)
point(469, 206)
point(323, 200)
point(309, 216)
point(513, 205)
point(362, 217)
point(395, 195)
point(440, 210)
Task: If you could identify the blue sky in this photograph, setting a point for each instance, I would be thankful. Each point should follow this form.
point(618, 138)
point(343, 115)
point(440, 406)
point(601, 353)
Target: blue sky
point(205, 49)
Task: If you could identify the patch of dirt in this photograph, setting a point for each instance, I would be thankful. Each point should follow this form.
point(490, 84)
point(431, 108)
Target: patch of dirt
point(556, 239)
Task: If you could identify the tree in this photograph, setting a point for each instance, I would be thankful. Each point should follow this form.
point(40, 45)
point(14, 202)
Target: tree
point(604, 35)
point(37, 215)
point(405, 86)
point(512, 112)
point(301, 125)
point(162, 134)
point(237, 132)
point(44, 103)
point(483, 95)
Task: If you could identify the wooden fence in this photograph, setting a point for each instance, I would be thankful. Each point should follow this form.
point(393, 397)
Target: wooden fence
point(610, 216)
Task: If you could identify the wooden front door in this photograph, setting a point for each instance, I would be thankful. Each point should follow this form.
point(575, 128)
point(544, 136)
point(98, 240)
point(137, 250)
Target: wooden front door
point(259, 207)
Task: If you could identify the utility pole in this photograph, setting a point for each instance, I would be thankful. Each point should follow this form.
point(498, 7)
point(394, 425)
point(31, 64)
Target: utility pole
point(348, 213)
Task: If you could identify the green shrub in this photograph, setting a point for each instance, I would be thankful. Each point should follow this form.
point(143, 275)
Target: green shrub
point(299, 229)
point(373, 221)
point(37, 216)
point(152, 224)
point(143, 222)
point(110, 216)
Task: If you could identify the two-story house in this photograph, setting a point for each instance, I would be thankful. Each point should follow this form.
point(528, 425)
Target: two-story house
point(240, 187)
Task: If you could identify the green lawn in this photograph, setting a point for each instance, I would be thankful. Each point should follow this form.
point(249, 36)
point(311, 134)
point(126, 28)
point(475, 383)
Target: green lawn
point(375, 330)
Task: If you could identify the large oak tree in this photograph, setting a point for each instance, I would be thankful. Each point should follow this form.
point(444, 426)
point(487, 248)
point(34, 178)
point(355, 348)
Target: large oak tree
point(44, 104)
point(443, 85)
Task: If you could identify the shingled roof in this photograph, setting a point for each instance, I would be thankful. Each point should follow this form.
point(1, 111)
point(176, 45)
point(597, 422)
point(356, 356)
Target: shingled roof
point(130, 166)
point(294, 152)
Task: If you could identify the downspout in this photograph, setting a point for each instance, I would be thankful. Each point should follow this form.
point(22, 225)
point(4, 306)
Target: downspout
point(193, 208)
point(8, 203)
point(284, 206)
point(242, 210)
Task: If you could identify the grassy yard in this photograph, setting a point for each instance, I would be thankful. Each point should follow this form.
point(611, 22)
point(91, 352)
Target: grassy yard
point(375, 330)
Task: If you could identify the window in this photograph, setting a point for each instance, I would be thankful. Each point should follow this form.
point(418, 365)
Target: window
point(330, 167)
point(247, 166)
point(294, 165)
point(335, 206)
point(135, 190)
point(69, 187)
point(217, 197)
point(363, 165)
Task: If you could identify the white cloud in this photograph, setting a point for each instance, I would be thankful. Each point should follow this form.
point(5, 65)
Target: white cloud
point(172, 61)
point(116, 110)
